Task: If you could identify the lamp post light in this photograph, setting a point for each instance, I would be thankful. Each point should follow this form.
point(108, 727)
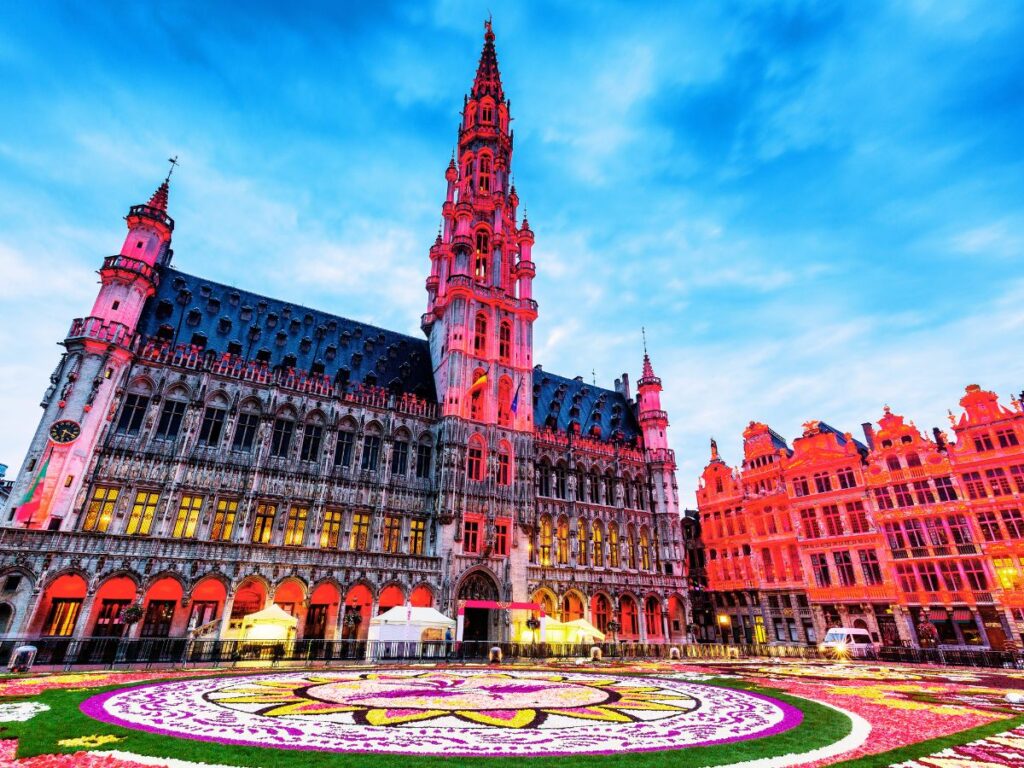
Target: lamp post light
point(724, 622)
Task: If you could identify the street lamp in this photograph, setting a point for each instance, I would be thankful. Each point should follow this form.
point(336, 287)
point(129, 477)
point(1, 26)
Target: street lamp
point(724, 621)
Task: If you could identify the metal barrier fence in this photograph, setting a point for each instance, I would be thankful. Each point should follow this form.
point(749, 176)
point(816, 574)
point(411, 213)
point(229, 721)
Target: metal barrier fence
point(116, 652)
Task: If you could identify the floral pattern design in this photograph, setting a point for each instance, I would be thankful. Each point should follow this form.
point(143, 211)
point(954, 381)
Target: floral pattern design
point(452, 712)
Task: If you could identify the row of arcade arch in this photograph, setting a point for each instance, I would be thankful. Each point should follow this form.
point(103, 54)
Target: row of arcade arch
point(214, 608)
point(650, 618)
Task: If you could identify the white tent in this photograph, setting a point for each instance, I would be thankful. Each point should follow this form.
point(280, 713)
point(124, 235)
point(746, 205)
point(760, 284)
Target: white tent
point(407, 630)
point(272, 623)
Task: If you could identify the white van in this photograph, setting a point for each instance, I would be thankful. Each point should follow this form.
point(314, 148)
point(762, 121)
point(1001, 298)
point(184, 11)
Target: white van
point(845, 642)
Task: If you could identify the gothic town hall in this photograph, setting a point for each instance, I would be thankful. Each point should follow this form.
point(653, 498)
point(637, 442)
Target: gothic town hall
point(206, 453)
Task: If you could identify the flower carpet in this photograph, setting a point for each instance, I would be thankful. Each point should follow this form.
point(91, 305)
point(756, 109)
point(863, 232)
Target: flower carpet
point(744, 713)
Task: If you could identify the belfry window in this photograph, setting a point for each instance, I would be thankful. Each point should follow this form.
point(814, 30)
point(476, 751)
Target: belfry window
point(505, 342)
point(486, 114)
point(480, 335)
point(485, 174)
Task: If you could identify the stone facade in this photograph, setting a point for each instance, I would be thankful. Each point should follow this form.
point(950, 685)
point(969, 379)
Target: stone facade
point(205, 451)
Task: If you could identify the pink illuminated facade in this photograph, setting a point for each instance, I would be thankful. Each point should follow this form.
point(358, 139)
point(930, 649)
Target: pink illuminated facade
point(891, 535)
point(205, 451)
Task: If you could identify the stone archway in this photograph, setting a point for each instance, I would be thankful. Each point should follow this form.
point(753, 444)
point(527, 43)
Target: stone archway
point(480, 625)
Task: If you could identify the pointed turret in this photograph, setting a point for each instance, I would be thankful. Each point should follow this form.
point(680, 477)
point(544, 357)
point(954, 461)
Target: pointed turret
point(150, 228)
point(488, 78)
point(653, 419)
point(159, 199)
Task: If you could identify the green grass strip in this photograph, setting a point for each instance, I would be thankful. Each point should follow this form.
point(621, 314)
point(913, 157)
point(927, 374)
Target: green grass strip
point(930, 747)
point(821, 726)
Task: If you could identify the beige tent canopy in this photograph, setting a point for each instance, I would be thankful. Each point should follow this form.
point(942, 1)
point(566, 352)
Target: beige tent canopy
point(273, 623)
point(576, 631)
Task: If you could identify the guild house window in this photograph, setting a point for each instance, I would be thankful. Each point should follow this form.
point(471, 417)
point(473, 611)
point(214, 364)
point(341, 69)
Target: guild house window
point(295, 529)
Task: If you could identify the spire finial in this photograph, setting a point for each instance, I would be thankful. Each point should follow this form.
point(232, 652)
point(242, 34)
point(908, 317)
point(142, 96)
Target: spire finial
point(643, 333)
point(174, 164)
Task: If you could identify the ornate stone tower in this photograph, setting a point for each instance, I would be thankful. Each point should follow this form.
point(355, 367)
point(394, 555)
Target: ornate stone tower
point(98, 347)
point(661, 464)
point(479, 309)
point(479, 320)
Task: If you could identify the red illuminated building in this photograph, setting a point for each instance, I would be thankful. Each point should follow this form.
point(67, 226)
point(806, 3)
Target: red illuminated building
point(888, 535)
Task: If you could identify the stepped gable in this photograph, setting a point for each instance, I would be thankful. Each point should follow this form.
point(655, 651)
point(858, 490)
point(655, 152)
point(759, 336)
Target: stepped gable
point(192, 310)
point(559, 402)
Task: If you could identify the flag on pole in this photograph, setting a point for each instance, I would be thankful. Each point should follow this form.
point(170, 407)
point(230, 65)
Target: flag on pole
point(33, 496)
point(480, 381)
point(515, 399)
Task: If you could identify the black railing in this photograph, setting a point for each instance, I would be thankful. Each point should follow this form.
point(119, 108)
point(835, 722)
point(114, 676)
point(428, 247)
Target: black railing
point(142, 653)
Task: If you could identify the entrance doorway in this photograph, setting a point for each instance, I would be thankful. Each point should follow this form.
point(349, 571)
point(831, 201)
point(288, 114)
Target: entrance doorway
point(477, 625)
point(476, 630)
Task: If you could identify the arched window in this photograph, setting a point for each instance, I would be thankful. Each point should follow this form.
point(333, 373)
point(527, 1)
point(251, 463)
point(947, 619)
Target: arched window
point(505, 342)
point(581, 541)
point(562, 553)
point(629, 619)
point(631, 545)
point(609, 485)
point(645, 549)
point(544, 551)
point(544, 479)
point(560, 480)
point(505, 402)
point(485, 167)
point(504, 465)
point(598, 535)
point(475, 458)
point(641, 495)
point(595, 488)
point(627, 488)
point(613, 545)
point(652, 616)
point(482, 254)
point(480, 335)
point(913, 460)
point(893, 462)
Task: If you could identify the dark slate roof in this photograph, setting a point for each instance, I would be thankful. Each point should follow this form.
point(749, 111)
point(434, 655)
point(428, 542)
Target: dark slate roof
point(261, 328)
point(778, 441)
point(558, 401)
point(841, 436)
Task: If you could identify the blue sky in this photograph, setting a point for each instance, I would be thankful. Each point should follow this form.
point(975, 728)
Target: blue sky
point(814, 208)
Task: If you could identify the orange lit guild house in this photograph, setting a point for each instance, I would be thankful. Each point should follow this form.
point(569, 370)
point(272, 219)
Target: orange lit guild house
point(915, 539)
point(206, 453)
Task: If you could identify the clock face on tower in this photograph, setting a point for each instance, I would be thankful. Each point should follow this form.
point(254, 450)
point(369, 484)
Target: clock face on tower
point(65, 431)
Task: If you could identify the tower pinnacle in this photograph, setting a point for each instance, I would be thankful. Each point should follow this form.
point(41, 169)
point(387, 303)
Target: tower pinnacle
point(488, 78)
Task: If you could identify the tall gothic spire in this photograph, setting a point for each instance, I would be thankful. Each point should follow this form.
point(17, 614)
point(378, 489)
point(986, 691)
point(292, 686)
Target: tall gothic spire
point(488, 78)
